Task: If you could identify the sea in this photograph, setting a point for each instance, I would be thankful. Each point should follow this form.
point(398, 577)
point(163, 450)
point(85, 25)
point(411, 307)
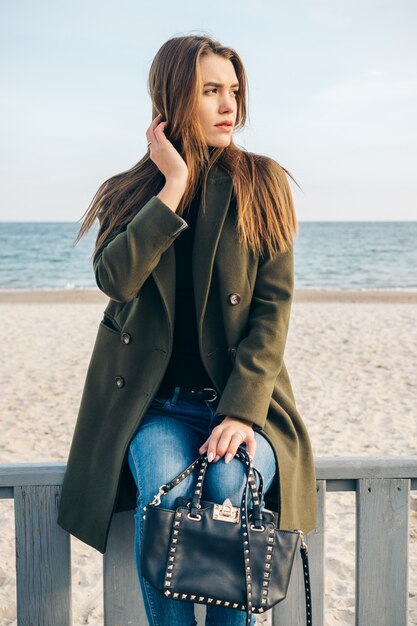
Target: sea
point(328, 255)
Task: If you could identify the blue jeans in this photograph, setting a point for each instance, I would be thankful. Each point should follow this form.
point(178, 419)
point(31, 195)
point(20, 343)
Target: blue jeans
point(169, 437)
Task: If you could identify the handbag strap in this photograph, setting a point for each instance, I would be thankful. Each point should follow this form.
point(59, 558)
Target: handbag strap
point(256, 493)
point(250, 483)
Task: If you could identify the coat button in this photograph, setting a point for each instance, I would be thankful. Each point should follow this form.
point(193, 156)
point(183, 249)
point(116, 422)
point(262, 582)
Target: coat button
point(126, 338)
point(234, 298)
point(120, 381)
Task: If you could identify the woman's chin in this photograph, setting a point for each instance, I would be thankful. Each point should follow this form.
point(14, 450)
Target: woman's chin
point(219, 144)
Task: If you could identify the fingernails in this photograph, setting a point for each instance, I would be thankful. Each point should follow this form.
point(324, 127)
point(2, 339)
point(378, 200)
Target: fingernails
point(210, 457)
point(216, 458)
point(228, 457)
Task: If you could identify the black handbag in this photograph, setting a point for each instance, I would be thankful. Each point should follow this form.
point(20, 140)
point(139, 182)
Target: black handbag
point(219, 554)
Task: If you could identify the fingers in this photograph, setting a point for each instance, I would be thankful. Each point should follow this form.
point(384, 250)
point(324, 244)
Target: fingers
point(252, 448)
point(226, 438)
point(234, 444)
point(155, 130)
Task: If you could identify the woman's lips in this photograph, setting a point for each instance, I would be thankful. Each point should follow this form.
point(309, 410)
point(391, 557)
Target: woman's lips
point(226, 127)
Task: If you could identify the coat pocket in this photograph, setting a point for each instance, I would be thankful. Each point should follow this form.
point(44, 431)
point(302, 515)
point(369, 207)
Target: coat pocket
point(110, 323)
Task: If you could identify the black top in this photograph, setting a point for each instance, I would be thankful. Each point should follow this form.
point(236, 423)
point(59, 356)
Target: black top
point(185, 367)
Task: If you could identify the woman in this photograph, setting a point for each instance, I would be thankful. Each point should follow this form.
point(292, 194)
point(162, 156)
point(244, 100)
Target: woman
point(195, 252)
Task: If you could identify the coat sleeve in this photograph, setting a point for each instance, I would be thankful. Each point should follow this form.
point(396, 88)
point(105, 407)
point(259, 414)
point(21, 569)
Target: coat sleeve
point(126, 258)
point(259, 356)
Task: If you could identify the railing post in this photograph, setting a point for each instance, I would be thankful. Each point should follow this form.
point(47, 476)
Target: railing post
point(43, 565)
point(123, 604)
point(382, 552)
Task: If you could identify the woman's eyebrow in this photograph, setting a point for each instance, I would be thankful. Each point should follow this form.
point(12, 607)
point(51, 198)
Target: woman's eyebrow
point(219, 84)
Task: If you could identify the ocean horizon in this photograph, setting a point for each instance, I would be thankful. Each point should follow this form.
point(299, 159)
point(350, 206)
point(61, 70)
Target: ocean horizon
point(349, 255)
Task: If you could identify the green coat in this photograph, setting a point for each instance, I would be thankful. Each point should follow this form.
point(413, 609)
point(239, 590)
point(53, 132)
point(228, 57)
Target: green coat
point(241, 337)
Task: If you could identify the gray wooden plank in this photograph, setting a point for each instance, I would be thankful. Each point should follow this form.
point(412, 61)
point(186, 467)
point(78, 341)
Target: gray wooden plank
point(335, 470)
point(200, 614)
point(292, 610)
point(43, 565)
point(123, 603)
point(18, 474)
point(382, 552)
point(339, 468)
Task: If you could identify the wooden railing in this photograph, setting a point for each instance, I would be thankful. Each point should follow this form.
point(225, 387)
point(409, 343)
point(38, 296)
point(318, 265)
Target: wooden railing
point(382, 486)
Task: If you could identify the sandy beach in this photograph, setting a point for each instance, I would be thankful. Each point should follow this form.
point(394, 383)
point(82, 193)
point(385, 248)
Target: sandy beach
point(352, 359)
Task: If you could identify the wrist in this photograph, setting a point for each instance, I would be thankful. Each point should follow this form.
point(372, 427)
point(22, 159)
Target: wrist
point(177, 181)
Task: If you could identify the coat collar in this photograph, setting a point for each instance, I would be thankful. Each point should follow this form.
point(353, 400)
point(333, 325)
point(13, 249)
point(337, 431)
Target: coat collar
point(208, 227)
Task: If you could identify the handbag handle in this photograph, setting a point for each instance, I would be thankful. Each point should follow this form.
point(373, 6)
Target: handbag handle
point(201, 461)
point(257, 495)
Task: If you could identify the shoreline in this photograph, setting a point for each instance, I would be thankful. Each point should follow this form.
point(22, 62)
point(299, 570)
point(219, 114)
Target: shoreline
point(92, 296)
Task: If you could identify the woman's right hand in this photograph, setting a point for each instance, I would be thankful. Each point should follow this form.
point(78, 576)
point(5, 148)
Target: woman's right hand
point(163, 154)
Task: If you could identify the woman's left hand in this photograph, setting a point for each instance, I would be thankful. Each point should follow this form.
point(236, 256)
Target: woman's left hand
point(226, 438)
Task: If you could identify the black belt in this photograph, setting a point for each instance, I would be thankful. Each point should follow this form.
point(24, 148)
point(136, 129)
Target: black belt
point(190, 393)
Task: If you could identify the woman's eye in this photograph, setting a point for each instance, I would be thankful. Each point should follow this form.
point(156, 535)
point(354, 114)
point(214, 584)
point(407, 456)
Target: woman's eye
point(235, 92)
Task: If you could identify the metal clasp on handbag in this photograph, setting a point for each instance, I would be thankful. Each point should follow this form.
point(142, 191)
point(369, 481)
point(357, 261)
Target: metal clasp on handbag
point(226, 512)
point(157, 498)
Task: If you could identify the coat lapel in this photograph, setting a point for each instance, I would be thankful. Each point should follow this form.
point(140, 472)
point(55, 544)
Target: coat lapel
point(207, 233)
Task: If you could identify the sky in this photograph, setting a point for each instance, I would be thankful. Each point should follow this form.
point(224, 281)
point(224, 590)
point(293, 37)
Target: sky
point(332, 97)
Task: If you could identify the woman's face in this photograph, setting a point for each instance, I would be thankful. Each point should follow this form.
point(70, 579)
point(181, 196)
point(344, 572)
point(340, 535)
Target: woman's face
point(218, 99)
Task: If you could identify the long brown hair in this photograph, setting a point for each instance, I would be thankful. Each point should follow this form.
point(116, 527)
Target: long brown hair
point(266, 220)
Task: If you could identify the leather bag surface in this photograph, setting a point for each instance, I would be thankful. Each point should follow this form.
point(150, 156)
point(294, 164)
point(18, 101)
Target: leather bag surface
point(219, 554)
